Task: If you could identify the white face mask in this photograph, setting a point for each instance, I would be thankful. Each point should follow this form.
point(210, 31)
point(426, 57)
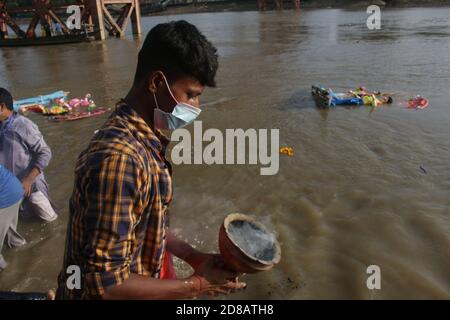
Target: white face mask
point(182, 115)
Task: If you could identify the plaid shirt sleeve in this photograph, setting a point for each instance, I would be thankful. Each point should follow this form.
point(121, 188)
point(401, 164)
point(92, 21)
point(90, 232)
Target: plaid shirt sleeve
point(115, 204)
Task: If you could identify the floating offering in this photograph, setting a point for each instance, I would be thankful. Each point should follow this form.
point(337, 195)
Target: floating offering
point(82, 102)
point(246, 245)
point(42, 100)
point(287, 150)
point(418, 102)
point(55, 110)
point(39, 108)
point(80, 115)
point(326, 98)
point(59, 110)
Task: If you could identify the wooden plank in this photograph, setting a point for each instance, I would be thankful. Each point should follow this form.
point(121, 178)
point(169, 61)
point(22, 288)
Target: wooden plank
point(123, 19)
point(57, 19)
point(111, 21)
point(130, 11)
point(136, 18)
point(42, 41)
point(96, 9)
point(13, 25)
point(32, 26)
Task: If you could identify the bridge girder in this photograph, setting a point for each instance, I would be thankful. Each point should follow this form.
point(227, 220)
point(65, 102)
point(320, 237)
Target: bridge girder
point(96, 18)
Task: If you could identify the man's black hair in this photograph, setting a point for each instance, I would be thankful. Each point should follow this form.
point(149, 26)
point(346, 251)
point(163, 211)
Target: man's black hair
point(6, 98)
point(390, 100)
point(178, 47)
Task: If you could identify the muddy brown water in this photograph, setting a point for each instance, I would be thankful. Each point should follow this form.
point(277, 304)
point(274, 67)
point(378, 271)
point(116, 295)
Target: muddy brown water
point(363, 188)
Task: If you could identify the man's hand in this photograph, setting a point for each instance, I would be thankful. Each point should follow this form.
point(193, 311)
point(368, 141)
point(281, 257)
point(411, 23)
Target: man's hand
point(27, 181)
point(26, 184)
point(51, 295)
point(211, 276)
point(214, 277)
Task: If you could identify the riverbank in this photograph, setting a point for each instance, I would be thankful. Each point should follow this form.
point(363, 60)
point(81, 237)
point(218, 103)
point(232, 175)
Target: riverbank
point(251, 5)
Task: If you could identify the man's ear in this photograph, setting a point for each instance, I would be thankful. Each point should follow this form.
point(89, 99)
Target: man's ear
point(155, 80)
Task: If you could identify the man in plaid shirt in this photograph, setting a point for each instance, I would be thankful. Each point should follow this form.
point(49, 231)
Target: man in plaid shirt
point(118, 232)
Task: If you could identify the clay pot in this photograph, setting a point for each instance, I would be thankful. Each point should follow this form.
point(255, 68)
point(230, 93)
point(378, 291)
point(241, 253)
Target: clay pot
point(235, 257)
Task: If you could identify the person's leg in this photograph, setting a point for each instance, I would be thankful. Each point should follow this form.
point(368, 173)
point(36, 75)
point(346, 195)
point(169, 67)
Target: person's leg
point(4, 226)
point(14, 239)
point(7, 217)
point(41, 206)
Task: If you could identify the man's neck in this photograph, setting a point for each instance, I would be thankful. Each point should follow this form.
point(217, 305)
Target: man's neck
point(142, 103)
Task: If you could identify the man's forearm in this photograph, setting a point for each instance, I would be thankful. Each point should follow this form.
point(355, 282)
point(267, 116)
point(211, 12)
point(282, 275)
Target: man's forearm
point(32, 175)
point(181, 249)
point(146, 288)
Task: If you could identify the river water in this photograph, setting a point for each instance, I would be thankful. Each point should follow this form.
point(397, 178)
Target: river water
point(364, 187)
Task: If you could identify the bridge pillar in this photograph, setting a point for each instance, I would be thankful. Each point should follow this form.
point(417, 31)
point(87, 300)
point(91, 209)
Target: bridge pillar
point(103, 20)
point(95, 8)
point(136, 19)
